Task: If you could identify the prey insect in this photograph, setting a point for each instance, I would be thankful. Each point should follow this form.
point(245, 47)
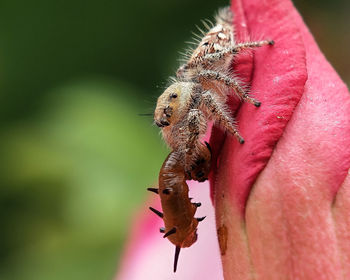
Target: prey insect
point(180, 225)
point(201, 89)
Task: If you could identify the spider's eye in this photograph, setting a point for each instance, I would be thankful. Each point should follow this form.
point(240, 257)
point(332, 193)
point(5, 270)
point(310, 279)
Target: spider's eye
point(173, 95)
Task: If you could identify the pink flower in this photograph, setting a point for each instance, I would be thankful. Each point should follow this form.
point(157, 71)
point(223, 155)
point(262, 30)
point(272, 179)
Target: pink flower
point(282, 199)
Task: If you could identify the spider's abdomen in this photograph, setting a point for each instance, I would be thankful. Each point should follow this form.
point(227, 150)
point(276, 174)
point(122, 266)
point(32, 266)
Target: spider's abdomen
point(218, 38)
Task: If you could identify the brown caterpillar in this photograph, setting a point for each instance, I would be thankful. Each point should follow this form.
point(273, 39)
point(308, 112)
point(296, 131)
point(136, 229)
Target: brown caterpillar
point(180, 225)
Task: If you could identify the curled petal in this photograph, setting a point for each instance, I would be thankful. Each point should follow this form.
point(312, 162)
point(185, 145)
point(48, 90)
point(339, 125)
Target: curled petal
point(282, 197)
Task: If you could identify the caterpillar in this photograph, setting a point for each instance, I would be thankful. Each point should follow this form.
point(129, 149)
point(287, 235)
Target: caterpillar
point(180, 225)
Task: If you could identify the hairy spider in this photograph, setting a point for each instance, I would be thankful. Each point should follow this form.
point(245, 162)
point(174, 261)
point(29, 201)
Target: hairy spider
point(201, 89)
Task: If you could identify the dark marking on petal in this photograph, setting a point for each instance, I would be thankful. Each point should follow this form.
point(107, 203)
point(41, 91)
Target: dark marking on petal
point(222, 236)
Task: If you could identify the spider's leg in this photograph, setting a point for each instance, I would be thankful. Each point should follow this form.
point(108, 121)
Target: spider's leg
point(217, 110)
point(197, 155)
point(230, 82)
point(216, 56)
point(249, 45)
point(196, 126)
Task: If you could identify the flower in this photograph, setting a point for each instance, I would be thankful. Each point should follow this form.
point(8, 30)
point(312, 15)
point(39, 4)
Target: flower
point(282, 199)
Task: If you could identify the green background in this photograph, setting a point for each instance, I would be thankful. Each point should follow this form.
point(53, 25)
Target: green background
point(76, 157)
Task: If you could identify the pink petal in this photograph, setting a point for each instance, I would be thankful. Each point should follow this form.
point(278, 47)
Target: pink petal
point(290, 221)
point(278, 82)
point(149, 256)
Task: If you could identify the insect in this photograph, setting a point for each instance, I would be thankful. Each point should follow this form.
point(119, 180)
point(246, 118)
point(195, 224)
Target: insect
point(180, 225)
point(201, 89)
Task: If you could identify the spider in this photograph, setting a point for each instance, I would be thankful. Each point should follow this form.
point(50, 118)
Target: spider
point(201, 89)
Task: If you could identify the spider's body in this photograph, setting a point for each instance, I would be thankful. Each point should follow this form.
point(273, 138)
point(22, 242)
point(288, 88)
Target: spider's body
point(201, 90)
point(217, 39)
point(197, 95)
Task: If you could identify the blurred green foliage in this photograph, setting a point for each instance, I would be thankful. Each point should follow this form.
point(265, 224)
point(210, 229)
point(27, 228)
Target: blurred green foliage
point(75, 155)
